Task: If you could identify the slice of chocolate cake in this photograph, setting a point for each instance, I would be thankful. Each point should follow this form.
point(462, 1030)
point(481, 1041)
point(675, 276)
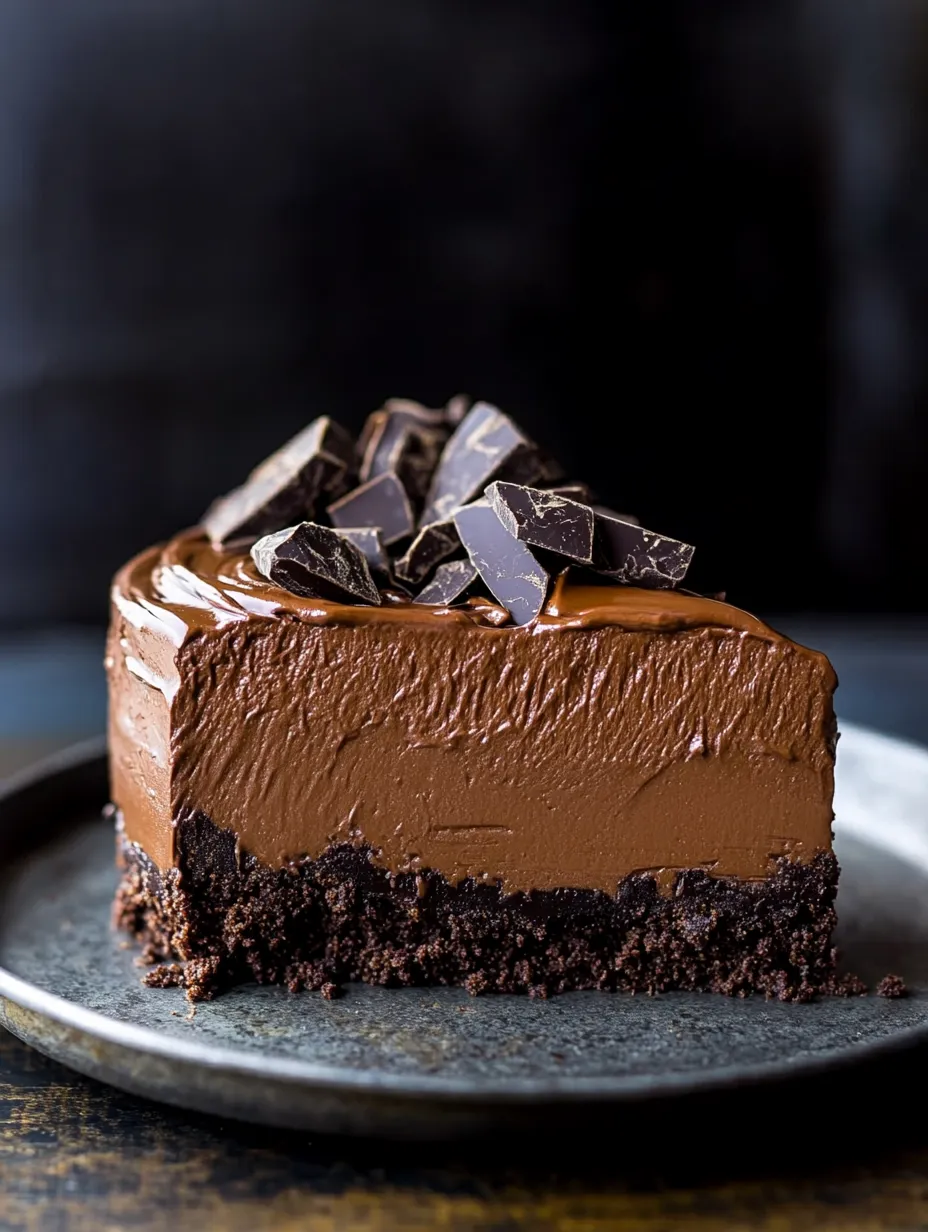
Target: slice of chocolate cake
point(543, 767)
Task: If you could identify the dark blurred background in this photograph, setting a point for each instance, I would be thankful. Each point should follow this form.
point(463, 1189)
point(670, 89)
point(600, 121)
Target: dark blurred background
point(686, 246)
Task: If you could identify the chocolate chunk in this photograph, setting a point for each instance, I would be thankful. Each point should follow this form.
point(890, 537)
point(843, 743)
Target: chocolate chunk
point(544, 520)
point(317, 562)
point(336, 441)
point(404, 437)
point(372, 425)
point(433, 544)
point(450, 582)
point(513, 574)
point(286, 487)
point(381, 502)
point(369, 541)
point(387, 439)
point(628, 553)
point(411, 452)
point(483, 441)
point(404, 414)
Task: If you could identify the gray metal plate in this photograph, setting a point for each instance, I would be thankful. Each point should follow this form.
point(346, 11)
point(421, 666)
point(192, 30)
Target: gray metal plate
point(435, 1061)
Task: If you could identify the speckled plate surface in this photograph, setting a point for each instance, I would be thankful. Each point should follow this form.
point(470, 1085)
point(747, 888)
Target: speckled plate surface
point(435, 1062)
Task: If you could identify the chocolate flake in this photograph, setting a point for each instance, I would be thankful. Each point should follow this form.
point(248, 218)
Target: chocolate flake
point(381, 502)
point(450, 582)
point(433, 544)
point(513, 574)
point(285, 488)
point(628, 553)
point(317, 562)
point(544, 519)
point(483, 441)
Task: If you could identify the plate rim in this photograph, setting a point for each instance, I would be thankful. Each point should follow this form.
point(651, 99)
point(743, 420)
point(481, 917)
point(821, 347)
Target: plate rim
point(426, 1088)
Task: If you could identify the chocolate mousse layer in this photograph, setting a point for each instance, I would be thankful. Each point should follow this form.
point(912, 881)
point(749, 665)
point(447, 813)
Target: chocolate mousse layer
point(632, 764)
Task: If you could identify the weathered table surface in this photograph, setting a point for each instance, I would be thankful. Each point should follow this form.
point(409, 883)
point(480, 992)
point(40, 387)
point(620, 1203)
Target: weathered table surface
point(75, 1156)
point(848, 1151)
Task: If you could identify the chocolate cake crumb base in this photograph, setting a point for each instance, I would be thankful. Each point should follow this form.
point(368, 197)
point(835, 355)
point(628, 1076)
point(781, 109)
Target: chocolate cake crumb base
point(221, 917)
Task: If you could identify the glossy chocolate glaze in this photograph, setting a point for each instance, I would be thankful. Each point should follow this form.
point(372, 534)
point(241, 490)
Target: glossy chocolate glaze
point(624, 730)
point(196, 586)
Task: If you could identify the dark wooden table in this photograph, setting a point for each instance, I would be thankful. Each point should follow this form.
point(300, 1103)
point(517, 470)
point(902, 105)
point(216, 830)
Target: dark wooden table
point(77, 1157)
point(848, 1151)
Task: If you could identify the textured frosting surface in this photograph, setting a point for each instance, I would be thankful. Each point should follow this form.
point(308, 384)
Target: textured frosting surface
point(624, 730)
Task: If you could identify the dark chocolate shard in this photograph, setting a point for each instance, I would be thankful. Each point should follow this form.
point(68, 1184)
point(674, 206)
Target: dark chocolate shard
point(369, 541)
point(316, 562)
point(381, 502)
point(286, 488)
point(628, 553)
point(544, 519)
point(512, 573)
point(372, 425)
point(482, 443)
point(388, 438)
point(337, 441)
point(403, 413)
point(433, 544)
point(451, 581)
point(407, 438)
